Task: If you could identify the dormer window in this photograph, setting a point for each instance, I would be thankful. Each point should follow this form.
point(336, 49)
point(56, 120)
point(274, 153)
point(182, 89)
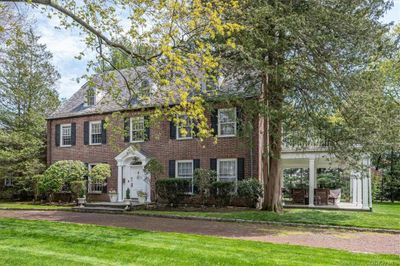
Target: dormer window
point(90, 97)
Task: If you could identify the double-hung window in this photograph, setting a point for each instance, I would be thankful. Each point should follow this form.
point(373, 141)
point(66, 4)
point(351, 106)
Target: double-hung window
point(66, 135)
point(8, 182)
point(227, 122)
point(184, 128)
point(90, 97)
point(94, 186)
point(184, 169)
point(227, 170)
point(95, 132)
point(137, 129)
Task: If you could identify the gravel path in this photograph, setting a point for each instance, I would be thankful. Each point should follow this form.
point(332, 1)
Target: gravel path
point(326, 238)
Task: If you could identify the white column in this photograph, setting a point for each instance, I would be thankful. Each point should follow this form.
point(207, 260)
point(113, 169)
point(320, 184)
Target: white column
point(354, 187)
point(311, 182)
point(365, 201)
point(119, 185)
point(359, 191)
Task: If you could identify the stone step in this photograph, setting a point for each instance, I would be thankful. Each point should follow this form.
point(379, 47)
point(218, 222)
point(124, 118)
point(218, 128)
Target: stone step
point(113, 205)
point(98, 209)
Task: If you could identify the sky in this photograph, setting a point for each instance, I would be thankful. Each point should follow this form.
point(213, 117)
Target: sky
point(65, 45)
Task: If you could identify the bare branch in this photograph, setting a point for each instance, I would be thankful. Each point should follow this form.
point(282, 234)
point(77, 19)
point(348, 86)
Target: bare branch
point(84, 24)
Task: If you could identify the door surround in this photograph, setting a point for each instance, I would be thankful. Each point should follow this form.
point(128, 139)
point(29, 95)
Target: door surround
point(124, 159)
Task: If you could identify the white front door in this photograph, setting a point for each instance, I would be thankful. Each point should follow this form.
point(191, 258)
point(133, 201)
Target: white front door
point(135, 180)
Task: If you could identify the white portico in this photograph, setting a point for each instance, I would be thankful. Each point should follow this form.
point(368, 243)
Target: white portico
point(311, 159)
point(132, 179)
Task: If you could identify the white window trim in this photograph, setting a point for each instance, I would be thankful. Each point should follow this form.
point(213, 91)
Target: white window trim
point(130, 130)
point(87, 97)
point(228, 160)
point(8, 182)
point(190, 178)
point(61, 135)
point(219, 123)
point(186, 137)
point(90, 132)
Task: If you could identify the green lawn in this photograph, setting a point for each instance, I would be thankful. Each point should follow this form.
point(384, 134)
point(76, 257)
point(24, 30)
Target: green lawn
point(53, 243)
point(385, 215)
point(28, 205)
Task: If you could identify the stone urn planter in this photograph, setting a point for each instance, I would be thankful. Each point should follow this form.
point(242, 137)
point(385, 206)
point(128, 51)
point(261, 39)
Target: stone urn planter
point(81, 202)
point(113, 196)
point(142, 197)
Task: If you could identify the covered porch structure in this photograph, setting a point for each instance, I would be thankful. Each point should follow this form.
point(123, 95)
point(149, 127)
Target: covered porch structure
point(306, 184)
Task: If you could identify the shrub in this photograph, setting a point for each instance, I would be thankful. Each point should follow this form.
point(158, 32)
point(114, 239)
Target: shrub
point(78, 188)
point(222, 192)
point(50, 184)
point(29, 185)
point(100, 172)
point(153, 167)
point(6, 194)
point(172, 189)
point(203, 178)
point(68, 171)
point(249, 190)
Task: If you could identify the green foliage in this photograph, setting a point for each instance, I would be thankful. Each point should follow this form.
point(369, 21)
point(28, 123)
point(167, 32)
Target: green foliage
point(203, 178)
point(78, 188)
point(29, 185)
point(6, 194)
point(249, 190)
point(172, 190)
point(387, 184)
point(28, 95)
point(50, 184)
point(153, 167)
point(100, 172)
point(67, 171)
point(223, 192)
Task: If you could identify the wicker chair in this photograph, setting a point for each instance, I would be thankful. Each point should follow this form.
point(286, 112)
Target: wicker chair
point(321, 196)
point(299, 196)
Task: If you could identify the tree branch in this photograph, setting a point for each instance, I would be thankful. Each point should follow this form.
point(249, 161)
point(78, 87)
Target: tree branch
point(84, 24)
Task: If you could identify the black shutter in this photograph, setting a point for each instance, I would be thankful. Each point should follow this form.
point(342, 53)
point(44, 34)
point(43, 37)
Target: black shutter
point(172, 130)
point(213, 164)
point(239, 118)
point(214, 121)
point(196, 165)
point(103, 132)
point(86, 133)
point(240, 168)
point(73, 134)
point(147, 127)
point(58, 136)
point(171, 168)
point(127, 129)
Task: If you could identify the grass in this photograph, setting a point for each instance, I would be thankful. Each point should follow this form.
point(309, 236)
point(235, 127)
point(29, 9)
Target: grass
point(384, 215)
point(29, 205)
point(54, 243)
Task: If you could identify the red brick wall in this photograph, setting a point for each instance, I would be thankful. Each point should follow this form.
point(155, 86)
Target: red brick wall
point(160, 147)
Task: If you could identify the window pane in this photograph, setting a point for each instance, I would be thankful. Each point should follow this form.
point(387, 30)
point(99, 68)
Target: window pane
point(185, 169)
point(137, 131)
point(228, 129)
point(227, 170)
point(66, 135)
point(96, 133)
point(227, 115)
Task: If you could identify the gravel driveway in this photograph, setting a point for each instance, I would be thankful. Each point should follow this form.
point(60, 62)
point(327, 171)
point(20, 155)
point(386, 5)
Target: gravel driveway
point(326, 238)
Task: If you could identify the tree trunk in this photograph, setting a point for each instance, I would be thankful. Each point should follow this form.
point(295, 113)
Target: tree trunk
point(273, 99)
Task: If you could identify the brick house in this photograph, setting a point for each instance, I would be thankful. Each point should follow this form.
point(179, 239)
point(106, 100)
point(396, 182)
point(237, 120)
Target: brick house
point(76, 131)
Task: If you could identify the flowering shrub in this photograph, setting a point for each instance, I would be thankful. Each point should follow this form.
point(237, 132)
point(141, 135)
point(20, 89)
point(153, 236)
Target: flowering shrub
point(100, 172)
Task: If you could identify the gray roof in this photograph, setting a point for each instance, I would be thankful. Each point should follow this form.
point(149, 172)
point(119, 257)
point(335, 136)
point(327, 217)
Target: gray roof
point(114, 93)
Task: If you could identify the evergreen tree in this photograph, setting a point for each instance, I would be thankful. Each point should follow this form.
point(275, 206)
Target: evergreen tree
point(27, 96)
